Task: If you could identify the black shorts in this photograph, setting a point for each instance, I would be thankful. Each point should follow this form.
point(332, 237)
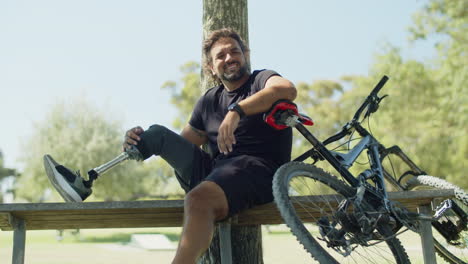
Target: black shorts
point(246, 180)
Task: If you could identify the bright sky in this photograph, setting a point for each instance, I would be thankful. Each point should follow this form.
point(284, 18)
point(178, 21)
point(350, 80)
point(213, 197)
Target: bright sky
point(118, 53)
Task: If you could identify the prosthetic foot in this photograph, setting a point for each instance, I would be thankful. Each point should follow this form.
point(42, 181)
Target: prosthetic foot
point(74, 188)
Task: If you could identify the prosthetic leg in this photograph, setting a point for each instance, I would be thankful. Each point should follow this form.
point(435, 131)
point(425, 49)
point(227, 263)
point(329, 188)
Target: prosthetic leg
point(131, 153)
point(74, 188)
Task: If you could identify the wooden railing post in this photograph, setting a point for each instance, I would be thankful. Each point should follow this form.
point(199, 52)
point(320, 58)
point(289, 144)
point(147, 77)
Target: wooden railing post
point(19, 239)
point(427, 240)
point(225, 245)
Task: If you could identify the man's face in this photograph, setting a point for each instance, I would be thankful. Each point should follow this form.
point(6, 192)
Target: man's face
point(228, 60)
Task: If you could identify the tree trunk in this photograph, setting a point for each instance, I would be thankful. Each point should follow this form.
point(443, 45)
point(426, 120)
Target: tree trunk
point(246, 246)
point(246, 240)
point(219, 14)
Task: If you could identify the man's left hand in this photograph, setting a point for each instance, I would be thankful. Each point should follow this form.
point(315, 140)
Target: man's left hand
point(226, 132)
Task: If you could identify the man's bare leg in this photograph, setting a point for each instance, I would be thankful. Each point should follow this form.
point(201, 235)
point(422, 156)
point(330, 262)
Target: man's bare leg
point(204, 205)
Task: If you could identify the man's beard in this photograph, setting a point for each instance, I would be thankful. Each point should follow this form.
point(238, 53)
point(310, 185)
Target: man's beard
point(235, 76)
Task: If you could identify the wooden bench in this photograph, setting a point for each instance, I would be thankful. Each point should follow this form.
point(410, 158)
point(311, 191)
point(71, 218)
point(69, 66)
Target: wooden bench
point(167, 213)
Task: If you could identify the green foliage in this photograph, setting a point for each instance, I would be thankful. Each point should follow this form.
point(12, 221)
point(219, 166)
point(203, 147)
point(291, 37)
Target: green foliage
point(4, 172)
point(185, 97)
point(446, 17)
point(427, 111)
point(80, 136)
point(433, 96)
point(319, 101)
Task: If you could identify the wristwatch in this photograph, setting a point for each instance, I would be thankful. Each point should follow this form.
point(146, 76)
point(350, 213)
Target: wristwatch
point(236, 108)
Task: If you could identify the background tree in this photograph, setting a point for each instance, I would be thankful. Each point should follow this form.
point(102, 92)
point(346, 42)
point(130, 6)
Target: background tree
point(427, 101)
point(448, 20)
point(427, 111)
point(80, 136)
point(184, 94)
point(216, 14)
point(4, 172)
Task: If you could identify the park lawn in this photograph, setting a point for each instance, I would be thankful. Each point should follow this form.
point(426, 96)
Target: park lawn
point(101, 246)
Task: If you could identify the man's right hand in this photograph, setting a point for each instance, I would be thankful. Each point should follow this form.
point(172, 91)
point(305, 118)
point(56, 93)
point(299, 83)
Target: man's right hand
point(132, 137)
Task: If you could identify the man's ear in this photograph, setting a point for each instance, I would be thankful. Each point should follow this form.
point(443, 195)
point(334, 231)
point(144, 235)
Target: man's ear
point(247, 59)
point(210, 65)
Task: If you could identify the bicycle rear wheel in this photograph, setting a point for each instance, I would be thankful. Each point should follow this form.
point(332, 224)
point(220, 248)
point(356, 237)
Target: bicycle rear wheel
point(454, 250)
point(309, 200)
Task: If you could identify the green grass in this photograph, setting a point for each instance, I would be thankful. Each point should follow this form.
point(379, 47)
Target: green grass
point(88, 236)
point(101, 246)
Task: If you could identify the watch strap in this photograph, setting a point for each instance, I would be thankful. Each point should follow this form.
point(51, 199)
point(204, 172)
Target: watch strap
point(236, 107)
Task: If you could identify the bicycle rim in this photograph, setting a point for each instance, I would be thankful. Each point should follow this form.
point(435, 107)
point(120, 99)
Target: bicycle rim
point(307, 197)
point(447, 250)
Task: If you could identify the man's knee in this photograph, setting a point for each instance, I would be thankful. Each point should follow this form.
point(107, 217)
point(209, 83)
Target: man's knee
point(151, 140)
point(155, 131)
point(207, 197)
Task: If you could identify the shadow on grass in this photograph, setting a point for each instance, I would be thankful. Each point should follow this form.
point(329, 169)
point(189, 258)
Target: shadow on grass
point(123, 238)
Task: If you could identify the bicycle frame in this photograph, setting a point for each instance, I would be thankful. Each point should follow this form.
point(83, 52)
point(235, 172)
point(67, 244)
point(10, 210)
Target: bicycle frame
point(370, 190)
point(343, 161)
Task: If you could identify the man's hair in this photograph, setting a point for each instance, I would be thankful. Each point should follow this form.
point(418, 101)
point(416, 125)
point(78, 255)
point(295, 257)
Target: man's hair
point(208, 44)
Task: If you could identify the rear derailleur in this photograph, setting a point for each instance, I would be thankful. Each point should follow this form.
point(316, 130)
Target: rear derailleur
point(347, 229)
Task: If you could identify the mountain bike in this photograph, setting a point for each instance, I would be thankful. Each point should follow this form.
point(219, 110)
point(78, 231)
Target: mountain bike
point(353, 220)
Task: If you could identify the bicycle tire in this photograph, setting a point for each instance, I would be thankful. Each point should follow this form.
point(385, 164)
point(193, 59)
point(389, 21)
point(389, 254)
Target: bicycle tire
point(450, 253)
point(395, 253)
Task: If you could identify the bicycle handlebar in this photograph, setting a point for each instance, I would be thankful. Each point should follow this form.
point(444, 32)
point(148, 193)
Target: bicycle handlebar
point(372, 99)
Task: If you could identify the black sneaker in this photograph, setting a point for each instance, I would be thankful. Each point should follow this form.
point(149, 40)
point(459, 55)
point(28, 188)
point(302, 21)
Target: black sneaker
point(71, 186)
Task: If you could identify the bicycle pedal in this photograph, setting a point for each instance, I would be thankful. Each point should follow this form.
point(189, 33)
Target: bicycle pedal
point(442, 208)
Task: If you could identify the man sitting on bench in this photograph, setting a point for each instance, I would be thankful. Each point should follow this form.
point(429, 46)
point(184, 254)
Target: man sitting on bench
point(245, 151)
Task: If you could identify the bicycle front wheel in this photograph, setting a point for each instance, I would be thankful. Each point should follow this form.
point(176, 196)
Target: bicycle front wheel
point(311, 203)
point(454, 221)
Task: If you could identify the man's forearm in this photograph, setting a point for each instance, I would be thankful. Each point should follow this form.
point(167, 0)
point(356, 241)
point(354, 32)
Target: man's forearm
point(263, 100)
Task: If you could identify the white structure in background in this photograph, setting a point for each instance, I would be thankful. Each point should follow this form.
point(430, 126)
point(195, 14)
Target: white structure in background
point(152, 242)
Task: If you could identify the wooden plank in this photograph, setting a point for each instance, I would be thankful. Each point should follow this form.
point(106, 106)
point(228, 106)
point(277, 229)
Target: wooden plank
point(5, 221)
point(156, 222)
point(170, 212)
point(413, 196)
point(96, 216)
point(311, 207)
point(99, 221)
point(92, 205)
point(87, 214)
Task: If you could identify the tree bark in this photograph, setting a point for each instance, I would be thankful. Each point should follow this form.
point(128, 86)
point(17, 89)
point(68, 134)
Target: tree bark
point(219, 14)
point(246, 246)
point(226, 14)
point(246, 240)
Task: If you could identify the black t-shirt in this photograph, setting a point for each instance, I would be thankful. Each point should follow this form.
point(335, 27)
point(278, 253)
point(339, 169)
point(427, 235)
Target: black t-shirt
point(253, 136)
